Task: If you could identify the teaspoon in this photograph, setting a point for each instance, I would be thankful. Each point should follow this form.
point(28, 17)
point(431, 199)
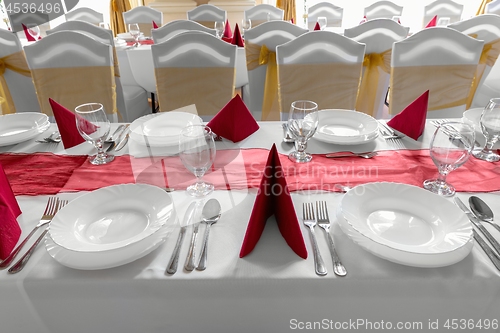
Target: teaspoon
point(482, 211)
point(210, 214)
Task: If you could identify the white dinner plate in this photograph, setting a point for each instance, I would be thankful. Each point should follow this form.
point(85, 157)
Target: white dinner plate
point(127, 37)
point(406, 224)
point(345, 127)
point(161, 129)
point(111, 218)
point(20, 127)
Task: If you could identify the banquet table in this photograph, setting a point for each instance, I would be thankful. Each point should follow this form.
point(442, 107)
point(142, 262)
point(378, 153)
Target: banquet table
point(270, 290)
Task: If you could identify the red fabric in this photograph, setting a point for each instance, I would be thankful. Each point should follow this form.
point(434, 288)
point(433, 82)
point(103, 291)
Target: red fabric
point(411, 121)
point(227, 30)
point(317, 27)
point(273, 198)
point(155, 26)
point(432, 22)
point(363, 20)
point(9, 211)
point(291, 21)
point(237, 40)
point(227, 39)
point(142, 42)
point(28, 36)
point(234, 121)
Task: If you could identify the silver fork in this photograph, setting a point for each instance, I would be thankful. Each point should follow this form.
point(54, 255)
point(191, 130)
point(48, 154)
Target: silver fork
point(310, 222)
point(18, 266)
point(324, 223)
point(389, 135)
point(48, 214)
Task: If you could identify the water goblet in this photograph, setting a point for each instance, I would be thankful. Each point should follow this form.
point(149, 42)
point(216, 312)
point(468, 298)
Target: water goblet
point(450, 148)
point(322, 21)
point(490, 126)
point(246, 24)
point(197, 153)
point(302, 123)
point(33, 30)
point(219, 29)
point(93, 125)
point(135, 32)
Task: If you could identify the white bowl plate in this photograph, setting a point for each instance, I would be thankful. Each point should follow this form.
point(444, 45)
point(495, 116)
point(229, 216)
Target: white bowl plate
point(20, 127)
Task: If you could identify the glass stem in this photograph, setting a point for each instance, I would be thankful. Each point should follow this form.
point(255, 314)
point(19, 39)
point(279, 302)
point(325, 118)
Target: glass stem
point(442, 178)
point(100, 151)
point(489, 146)
point(300, 146)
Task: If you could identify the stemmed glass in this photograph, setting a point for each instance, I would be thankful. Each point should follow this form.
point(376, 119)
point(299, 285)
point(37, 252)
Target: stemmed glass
point(104, 25)
point(246, 24)
point(219, 28)
point(302, 123)
point(197, 153)
point(322, 21)
point(135, 32)
point(490, 126)
point(33, 30)
point(93, 125)
point(450, 148)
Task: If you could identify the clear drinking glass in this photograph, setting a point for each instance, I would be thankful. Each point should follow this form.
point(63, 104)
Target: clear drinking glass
point(302, 124)
point(450, 148)
point(219, 28)
point(93, 125)
point(490, 126)
point(104, 25)
point(322, 21)
point(197, 153)
point(443, 21)
point(246, 24)
point(135, 32)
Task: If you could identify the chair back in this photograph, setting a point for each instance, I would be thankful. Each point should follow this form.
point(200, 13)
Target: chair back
point(262, 13)
point(438, 59)
point(268, 34)
point(72, 69)
point(443, 9)
point(207, 15)
point(85, 14)
point(383, 9)
point(194, 67)
point(321, 66)
point(16, 85)
point(175, 27)
point(493, 7)
point(379, 35)
point(332, 13)
point(144, 17)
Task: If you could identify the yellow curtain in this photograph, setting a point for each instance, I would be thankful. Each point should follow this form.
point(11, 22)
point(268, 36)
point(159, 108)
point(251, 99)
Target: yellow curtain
point(289, 7)
point(482, 7)
point(117, 7)
point(135, 3)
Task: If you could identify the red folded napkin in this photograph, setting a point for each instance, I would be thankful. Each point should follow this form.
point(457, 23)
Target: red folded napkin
point(317, 27)
point(411, 121)
point(237, 40)
point(227, 30)
point(274, 198)
point(234, 121)
point(66, 123)
point(155, 26)
point(28, 36)
point(432, 22)
point(363, 20)
point(227, 39)
point(291, 21)
point(9, 211)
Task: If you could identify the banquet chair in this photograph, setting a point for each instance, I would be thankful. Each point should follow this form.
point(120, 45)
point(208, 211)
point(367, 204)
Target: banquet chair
point(85, 14)
point(443, 9)
point(261, 13)
point(333, 14)
point(320, 66)
point(174, 27)
point(261, 92)
point(131, 99)
point(485, 27)
point(379, 36)
point(207, 15)
point(16, 85)
point(382, 9)
point(72, 69)
point(194, 67)
point(144, 17)
point(438, 59)
point(493, 7)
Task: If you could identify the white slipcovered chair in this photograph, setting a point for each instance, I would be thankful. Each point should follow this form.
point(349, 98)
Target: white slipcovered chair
point(444, 9)
point(261, 93)
point(85, 14)
point(175, 27)
point(379, 35)
point(207, 15)
point(383, 9)
point(438, 59)
point(333, 14)
point(261, 13)
point(493, 7)
point(144, 16)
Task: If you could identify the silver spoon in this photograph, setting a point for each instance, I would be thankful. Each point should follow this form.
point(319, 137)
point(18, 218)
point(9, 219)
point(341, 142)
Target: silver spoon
point(210, 214)
point(482, 211)
point(339, 154)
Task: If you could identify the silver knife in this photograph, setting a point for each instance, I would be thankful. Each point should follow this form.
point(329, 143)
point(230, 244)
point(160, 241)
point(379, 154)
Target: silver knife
point(118, 140)
point(489, 252)
point(174, 260)
point(123, 143)
point(478, 224)
point(190, 265)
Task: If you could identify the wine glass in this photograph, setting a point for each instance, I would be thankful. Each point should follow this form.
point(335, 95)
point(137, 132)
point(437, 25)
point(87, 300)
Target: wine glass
point(104, 25)
point(490, 126)
point(93, 125)
point(302, 123)
point(219, 29)
point(450, 147)
point(197, 153)
point(322, 21)
point(443, 22)
point(135, 32)
point(246, 24)
point(33, 30)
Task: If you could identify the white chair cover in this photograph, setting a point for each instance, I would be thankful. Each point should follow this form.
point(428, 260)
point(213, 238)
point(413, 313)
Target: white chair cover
point(85, 14)
point(382, 9)
point(493, 7)
point(333, 14)
point(175, 27)
point(207, 14)
point(262, 13)
point(144, 16)
point(443, 8)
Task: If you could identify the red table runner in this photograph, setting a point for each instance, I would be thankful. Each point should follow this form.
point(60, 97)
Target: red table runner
point(46, 173)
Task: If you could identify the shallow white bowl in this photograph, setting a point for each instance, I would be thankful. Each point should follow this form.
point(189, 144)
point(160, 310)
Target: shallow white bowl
point(20, 127)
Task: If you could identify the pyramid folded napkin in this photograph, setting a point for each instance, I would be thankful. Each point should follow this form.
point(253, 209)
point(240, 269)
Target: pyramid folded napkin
point(234, 121)
point(317, 27)
point(411, 121)
point(432, 22)
point(237, 39)
point(9, 211)
point(274, 198)
point(155, 26)
point(28, 35)
point(227, 30)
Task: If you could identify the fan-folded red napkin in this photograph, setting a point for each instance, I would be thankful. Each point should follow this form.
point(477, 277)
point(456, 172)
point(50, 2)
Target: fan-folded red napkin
point(227, 30)
point(411, 121)
point(432, 22)
point(155, 26)
point(9, 211)
point(28, 35)
point(237, 40)
point(234, 121)
point(66, 123)
point(274, 198)
point(317, 27)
